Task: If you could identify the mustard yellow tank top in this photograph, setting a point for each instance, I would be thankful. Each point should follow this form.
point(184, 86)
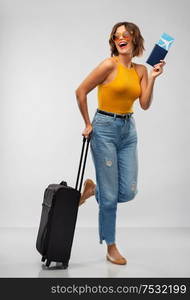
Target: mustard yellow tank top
point(119, 95)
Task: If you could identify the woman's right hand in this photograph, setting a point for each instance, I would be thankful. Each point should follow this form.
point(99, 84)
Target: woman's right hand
point(87, 131)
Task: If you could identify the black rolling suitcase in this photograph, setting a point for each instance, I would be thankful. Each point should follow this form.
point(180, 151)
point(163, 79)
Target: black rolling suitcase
point(58, 217)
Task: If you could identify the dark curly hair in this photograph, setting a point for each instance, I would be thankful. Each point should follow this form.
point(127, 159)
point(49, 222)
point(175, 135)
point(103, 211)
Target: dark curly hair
point(137, 39)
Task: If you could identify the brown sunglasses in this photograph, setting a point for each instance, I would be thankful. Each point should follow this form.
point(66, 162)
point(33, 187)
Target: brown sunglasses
point(126, 35)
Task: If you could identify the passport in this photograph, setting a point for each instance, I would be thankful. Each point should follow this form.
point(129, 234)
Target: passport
point(160, 49)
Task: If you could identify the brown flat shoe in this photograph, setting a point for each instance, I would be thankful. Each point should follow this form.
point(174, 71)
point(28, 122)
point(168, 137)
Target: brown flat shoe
point(88, 190)
point(118, 261)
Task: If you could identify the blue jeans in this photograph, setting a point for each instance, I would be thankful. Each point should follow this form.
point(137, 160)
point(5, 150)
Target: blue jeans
point(113, 148)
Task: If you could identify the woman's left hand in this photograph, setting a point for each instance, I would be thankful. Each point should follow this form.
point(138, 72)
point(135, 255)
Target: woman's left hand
point(157, 69)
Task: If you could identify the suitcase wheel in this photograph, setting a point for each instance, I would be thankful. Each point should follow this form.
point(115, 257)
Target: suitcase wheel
point(48, 262)
point(43, 258)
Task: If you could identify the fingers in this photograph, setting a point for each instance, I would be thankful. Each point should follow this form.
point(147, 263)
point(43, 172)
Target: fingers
point(161, 64)
point(87, 133)
point(87, 136)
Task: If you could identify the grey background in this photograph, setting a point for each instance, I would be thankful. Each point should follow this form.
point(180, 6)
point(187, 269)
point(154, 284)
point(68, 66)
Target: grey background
point(46, 49)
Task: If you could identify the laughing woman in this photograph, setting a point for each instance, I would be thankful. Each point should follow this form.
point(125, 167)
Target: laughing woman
point(113, 131)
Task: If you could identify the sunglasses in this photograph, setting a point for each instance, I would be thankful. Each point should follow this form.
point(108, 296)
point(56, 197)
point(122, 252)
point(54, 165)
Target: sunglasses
point(126, 35)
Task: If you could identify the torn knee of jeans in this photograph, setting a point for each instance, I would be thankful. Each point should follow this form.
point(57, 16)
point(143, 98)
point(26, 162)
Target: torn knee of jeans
point(133, 187)
point(108, 162)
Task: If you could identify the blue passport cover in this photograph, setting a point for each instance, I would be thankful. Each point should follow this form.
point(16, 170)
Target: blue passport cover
point(160, 49)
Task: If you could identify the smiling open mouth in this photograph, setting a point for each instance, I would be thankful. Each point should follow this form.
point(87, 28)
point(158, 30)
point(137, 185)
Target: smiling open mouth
point(123, 45)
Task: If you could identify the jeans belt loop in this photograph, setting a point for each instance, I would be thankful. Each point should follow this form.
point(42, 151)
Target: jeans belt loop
point(115, 116)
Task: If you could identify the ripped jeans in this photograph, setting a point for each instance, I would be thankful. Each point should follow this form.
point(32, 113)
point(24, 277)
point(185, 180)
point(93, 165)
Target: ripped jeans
point(113, 148)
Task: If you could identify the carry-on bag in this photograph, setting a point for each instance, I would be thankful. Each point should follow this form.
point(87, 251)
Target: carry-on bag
point(58, 217)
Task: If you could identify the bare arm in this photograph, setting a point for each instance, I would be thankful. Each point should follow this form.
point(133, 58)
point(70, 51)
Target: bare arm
point(97, 76)
point(147, 84)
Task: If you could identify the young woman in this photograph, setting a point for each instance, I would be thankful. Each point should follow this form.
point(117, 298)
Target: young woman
point(113, 132)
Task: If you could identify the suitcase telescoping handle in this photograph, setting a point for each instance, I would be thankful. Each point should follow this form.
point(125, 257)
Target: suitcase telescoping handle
point(84, 162)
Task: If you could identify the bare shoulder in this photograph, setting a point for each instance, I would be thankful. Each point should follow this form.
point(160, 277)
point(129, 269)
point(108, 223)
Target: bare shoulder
point(141, 69)
point(140, 66)
point(108, 63)
point(96, 76)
